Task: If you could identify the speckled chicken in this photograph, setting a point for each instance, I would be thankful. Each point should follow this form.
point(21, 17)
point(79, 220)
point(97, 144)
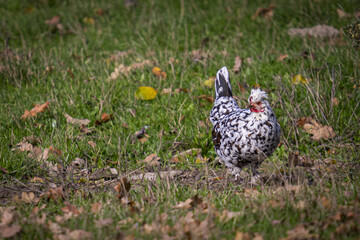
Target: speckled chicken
point(242, 137)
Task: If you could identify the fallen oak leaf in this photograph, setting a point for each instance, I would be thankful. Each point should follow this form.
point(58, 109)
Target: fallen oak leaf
point(37, 109)
point(318, 130)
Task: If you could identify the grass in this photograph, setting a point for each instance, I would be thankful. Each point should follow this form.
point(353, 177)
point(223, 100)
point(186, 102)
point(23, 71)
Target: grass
point(71, 66)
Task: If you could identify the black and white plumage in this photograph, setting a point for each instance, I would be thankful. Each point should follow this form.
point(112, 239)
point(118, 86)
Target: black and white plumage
point(242, 137)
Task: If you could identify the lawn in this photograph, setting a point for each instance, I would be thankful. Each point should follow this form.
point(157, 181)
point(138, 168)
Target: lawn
point(87, 152)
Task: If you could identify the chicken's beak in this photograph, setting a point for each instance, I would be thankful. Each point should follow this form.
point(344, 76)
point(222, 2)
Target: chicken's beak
point(249, 105)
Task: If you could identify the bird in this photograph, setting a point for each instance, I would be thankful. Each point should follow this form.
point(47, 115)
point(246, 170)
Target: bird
point(242, 138)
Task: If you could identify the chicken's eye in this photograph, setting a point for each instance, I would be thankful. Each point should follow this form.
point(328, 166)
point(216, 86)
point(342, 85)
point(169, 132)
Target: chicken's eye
point(258, 103)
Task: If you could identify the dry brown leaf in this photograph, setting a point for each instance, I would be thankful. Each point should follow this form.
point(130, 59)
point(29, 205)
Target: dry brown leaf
point(190, 228)
point(122, 187)
point(184, 205)
point(103, 222)
point(237, 64)
point(282, 57)
point(318, 31)
point(264, 12)
point(29, 198)
point(55, 151)
point(54, 194)
point(335, 101)
point(75, 121)
point(166, 91)
point(227, 216)
point(199, 54)
point(140, 135)
point(194, 202)
point(183, 155)
point(53, 21)
point(125, 70)
point(104, 118)
point(158, 72)
point(7, 216)
point(71, 209)
point(152, 160)
point(37, 109)
point(318, 130)
point(275, 222)
point(150, 176)
point(120, 54)
point(92, 144)
point(9, 231)
point(23, 147)
point(249, 60)
point(96, 207)
point(78, 163)
point(178, 90)
point(209, 99)
point(297, 160)
point(299, 232)
point(84, 129)
point(78, 235)
point(201, 124)
point(325, 202)
point(251, 192)
point(242, 236)
point(342, 13)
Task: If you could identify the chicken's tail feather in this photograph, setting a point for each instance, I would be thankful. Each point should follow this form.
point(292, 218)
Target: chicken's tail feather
point(222, 84)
